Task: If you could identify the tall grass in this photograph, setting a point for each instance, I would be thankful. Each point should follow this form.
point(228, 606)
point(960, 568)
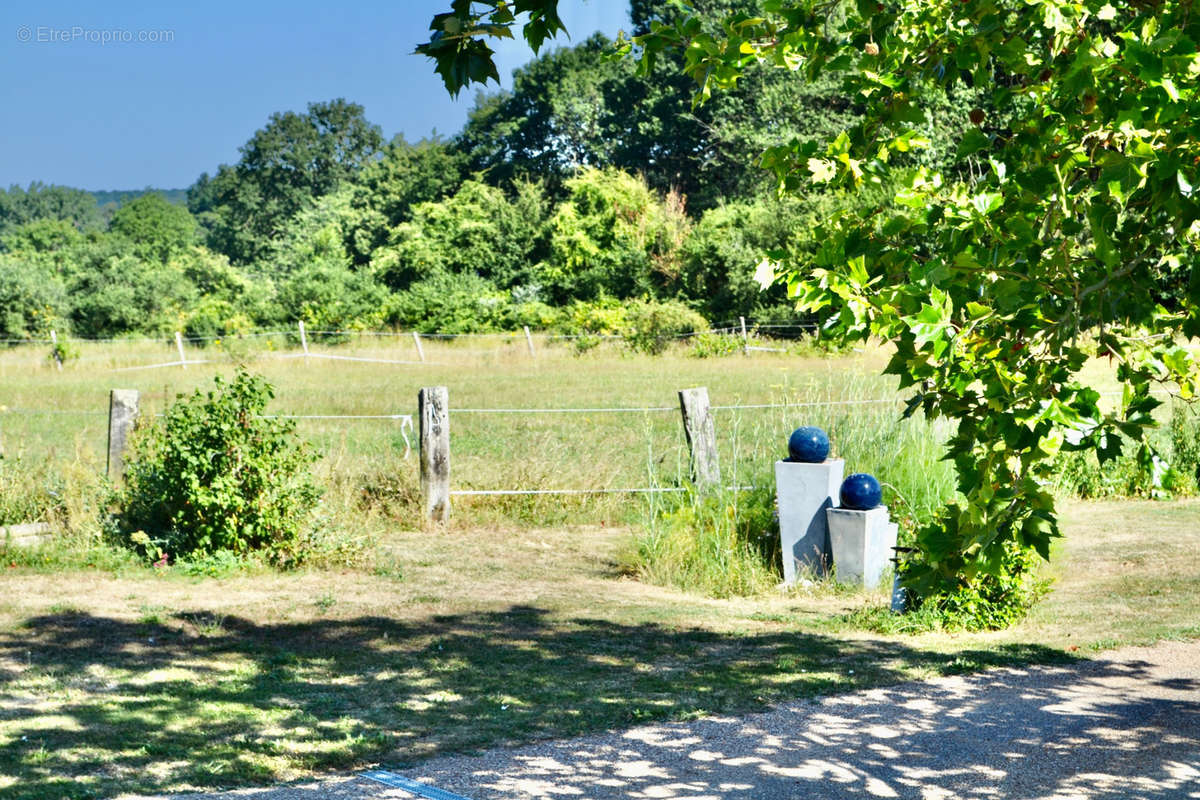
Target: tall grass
point(725, 542)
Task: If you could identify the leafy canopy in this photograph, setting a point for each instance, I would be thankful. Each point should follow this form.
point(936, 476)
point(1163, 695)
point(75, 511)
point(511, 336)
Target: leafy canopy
point(458, 40)
point(293, 160)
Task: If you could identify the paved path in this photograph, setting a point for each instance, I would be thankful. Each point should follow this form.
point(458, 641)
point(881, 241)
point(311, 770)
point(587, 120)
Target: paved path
point(1124, 726)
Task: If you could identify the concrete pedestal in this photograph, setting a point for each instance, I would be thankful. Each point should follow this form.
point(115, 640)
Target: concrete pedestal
point(862, 543)
point(805, 492)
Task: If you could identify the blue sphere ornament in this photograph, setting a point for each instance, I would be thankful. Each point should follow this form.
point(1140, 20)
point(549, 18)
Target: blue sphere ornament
point(808, 445)
point(861, 492)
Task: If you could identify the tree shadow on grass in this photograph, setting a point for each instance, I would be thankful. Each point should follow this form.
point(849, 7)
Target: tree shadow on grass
point(92, 706)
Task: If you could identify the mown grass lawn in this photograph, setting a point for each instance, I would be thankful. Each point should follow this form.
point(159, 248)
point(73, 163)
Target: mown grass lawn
point(127, 679)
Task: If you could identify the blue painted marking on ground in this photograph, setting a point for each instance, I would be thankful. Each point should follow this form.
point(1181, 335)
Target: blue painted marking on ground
point(416, 787)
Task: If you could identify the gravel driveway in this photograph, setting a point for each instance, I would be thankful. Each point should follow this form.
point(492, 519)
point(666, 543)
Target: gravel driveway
point(1126, 725)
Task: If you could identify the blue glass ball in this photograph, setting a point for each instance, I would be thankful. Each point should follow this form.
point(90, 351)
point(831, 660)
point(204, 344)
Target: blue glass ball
point(861, 492)
point(808, 445)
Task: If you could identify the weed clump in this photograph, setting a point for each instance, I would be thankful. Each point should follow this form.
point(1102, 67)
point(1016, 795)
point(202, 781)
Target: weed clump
point(722, 543)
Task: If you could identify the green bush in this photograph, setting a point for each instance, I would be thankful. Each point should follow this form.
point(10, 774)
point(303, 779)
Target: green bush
point(984, 601)
point(613, 236)
point(32, 301)
point(479, 230)
point(216, 475)
point(1168, 467)
point(709, 345)
point(651, 326)
point(328, 295)
point(115, 293)
point(445, 303)
point(1185, 444)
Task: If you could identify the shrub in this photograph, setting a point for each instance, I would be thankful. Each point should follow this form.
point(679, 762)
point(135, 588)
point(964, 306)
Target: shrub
point(31, 300)
point(479, 230)
point(216, 475)
point(652, 327)
point(985, 601)
point(445, 303)
point(328, 295)
point(1169, 466)
point(613, 236)
point(708, 345)
point(114, 293)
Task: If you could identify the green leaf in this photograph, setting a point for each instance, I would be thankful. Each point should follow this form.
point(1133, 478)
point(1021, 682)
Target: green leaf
point(822, 170)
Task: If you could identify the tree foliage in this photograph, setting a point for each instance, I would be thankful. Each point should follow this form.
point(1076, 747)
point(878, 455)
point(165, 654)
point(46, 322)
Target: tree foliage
point(39, 201)
point(291, 161)
point(156, 228)
point(387, 189)
point(578, 107)
point(613, 236)
point(997, 287)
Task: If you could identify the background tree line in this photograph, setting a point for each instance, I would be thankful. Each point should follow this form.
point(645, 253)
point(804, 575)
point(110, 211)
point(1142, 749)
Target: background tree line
point(584, 192)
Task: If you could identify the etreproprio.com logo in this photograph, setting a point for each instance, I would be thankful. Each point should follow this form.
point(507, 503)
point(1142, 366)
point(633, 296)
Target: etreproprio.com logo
point(80, 34)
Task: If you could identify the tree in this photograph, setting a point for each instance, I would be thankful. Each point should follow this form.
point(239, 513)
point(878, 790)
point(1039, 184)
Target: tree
point(477, 230)
point(293, 160)
point(19, 206)
point(114, 293)
point(579, 107)
point(155, 228)
point(567, 109)
point(613, 236)
point(32, 299)
point(997, 283)
point(387, 189)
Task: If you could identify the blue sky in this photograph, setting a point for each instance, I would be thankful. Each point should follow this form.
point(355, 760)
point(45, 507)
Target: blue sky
point(124, 115)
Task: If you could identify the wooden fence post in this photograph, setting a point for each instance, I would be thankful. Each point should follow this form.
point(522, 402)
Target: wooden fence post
point(701, 436)
point(433, 406)
point(179, 347)
point(55, 350)
point(417, 342)
point(745, 338)
point(529, 341)
point(122, 414)
point(303, 339)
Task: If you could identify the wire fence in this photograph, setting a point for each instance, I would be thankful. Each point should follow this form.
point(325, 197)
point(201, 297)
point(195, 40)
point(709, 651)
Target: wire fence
point(516, 336)
point(295, 344)
point(407, 428)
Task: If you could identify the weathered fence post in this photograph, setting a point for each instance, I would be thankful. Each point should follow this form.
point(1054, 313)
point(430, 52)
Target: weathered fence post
point(701, 436)
point(433, 406)
point(179, 347)
point(122, 414)
point(54, 349)
point(529, 341)
point(745, 338)
point(303, 339)
point(417, 342)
